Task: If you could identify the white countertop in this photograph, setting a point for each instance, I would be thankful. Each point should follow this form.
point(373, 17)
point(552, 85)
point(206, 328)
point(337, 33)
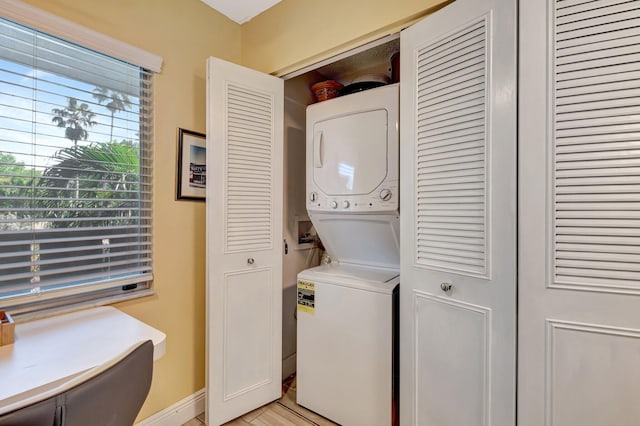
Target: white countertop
point(52, 350)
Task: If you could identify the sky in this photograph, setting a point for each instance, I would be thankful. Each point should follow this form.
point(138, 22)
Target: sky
point(26, 128)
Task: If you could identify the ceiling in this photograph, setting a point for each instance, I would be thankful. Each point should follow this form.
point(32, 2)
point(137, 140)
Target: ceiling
point(241, 11)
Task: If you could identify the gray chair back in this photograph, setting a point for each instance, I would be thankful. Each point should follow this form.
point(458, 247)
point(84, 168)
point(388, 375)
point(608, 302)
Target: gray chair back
point(111, 398)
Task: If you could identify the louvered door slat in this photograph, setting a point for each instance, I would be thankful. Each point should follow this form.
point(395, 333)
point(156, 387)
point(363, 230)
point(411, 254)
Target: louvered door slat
point(451, 48)
point(587, 54)
point(612, 8)
point(245, 166)
point(249, 166)
point(460, 146)
point(454, 133)
point(454, 261)
point(453, 113)
point(457, 63)
point(464, 74)
point(621, 187)
point(593, 275)
point(612, 72)
point(621, 44)
point(597, 145)
point(591, 138)
point(611, 146)
point(470, 256)
point(596, 83)
point(245, 147)
point(566, 7)
point(598, 155)
point(601, 17)
point(454, 70)
point(594, 239)
point(459, 90)
point(598, 95)
point(472, 119)
point(455, 54)
point(452, 187)
point(463, 86)
point(598, 214)
point(451, 152)
point(452, 226)
point(606, 251)
point(583, 121)
point(257, 133)
point(239, 135)
point(247, 107)
point(605, 24)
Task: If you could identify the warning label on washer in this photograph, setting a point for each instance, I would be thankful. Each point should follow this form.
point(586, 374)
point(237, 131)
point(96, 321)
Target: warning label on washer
point(306, 296)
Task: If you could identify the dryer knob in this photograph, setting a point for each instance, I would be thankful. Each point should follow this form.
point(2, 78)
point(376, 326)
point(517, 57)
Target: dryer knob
point(334, 204)
point(385, 195)
point(346, 204)
point(313, 196)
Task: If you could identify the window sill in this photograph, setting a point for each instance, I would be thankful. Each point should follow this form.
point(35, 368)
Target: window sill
point(50, 351)
point(31, 313)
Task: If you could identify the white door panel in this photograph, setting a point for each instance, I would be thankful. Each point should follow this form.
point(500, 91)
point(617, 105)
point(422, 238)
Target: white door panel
point(459, 365)
point(579, 216)
point(244, 231)
point(458, 208)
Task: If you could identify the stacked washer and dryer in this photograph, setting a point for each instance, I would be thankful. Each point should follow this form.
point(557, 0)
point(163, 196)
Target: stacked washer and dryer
point(347, 356)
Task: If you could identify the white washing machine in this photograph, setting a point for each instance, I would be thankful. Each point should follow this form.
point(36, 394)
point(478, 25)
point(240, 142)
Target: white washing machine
point(346, 340)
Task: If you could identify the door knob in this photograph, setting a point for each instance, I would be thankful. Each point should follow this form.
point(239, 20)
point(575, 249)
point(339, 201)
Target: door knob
point(250, 261)
point(446, 287)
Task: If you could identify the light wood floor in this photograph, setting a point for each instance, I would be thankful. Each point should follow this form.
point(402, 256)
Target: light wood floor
point(283, 412)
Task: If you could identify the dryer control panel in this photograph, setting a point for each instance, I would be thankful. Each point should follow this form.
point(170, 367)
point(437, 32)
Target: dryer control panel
point(352, 156)
point(386, 199)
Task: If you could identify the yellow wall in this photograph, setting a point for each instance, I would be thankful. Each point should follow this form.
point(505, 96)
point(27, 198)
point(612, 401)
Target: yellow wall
point(184, 33)
point(297, 33)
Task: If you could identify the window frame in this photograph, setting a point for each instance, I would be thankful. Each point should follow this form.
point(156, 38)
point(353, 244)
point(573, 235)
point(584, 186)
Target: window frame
point(50, 24)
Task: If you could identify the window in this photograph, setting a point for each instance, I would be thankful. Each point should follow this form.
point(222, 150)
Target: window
point(75, 173)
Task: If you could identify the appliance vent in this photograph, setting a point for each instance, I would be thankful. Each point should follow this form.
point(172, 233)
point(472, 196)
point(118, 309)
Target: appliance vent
point(596, 149)
point(249, 172)
point(451, 153)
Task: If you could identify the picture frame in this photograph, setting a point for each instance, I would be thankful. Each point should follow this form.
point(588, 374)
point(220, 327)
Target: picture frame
point(191, 173)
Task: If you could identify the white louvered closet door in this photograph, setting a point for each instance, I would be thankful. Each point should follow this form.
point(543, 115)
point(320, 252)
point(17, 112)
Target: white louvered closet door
point(244, 233)
point(579, 216)
point(458, 211)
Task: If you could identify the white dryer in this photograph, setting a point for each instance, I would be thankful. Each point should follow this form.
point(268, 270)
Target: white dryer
point(352, 152)
point(352, 176)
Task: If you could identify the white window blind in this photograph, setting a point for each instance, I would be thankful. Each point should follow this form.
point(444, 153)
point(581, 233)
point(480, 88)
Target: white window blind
point(75, 172)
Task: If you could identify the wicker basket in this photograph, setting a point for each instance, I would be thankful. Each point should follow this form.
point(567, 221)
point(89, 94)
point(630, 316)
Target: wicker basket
point(326, 90)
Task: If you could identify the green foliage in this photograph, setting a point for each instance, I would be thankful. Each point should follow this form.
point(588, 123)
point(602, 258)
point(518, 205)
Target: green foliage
point(98, 180)
point(16, 185)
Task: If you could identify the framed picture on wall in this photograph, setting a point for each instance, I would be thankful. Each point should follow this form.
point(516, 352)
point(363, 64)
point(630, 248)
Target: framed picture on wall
point(192, 166)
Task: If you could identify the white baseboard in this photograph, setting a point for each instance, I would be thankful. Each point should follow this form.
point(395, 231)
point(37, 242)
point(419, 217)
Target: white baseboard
point(179, 413)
